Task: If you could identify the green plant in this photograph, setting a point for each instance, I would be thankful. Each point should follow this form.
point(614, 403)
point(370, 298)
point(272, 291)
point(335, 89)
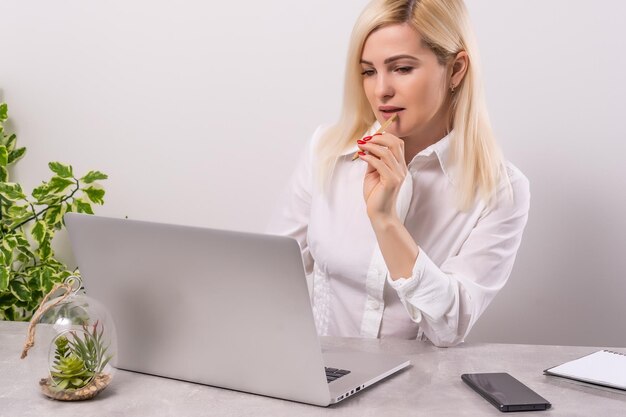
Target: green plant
point(28, 267)
point(76, 361)
point(69, 370)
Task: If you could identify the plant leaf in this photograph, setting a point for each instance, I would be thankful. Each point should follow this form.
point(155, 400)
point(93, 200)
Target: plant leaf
point(15, 155)
point(94, 176)
point(21, 239)
point(95, 195)
point(54, 216)
point(39, 231)
point(7, 255)
point(77, 382)
point(10, 143)
point(82, 207)
point(4, 278)
point(18, 211)
point(9, 242)
point(59, 184)
point(11, 191)
point(45, 251)
point(47, 286)
point(62, 170)
point(6, 299)
point(20, 290)
point(9, 313)
point(40, 192)
point(40, 277)
point(4, 110)
point(17, 215)
point(105, 362)
point(4, 156)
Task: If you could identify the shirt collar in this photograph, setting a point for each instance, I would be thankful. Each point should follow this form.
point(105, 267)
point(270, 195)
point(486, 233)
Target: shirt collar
point(441, 149)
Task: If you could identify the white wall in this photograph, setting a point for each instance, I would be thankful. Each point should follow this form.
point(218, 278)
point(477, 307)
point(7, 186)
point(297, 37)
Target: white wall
point(555, 86)
point(194, 108)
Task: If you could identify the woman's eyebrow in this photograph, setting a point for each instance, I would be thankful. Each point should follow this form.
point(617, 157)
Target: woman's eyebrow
point(392, 59)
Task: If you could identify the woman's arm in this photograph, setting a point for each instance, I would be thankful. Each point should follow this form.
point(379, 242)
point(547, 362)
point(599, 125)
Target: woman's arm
point(447, 299)
point(385, 177)
point(396, 245)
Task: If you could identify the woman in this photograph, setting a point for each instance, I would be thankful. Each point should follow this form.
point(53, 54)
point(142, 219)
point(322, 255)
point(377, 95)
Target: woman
point(415, 238)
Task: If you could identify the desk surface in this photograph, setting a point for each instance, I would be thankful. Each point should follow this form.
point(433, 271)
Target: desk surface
point(431, 387)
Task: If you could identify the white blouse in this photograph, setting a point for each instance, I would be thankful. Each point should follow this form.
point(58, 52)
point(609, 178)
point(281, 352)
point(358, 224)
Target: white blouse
point(465, 257)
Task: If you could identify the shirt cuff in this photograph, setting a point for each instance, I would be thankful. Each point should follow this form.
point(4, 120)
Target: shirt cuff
point(403, 284)
point(428, 291)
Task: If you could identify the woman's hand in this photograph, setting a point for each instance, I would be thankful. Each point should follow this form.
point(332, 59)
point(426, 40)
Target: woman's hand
point(386, 170)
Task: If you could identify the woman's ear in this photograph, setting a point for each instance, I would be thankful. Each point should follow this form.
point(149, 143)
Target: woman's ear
point(459, 68)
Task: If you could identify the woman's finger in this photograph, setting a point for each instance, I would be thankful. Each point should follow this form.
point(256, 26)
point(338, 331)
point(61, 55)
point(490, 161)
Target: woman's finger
point(395, 144)
point(387, 176)
point(383, 153)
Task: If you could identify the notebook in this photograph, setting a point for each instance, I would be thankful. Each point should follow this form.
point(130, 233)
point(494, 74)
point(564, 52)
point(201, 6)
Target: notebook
point(603, 367)
point(217, 307)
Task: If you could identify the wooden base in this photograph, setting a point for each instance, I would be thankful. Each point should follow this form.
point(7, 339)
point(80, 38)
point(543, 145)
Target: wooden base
point(97, 384)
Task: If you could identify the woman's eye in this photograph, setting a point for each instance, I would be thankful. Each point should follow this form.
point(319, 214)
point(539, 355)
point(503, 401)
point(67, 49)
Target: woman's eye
point(404, 70)
point(367, 73)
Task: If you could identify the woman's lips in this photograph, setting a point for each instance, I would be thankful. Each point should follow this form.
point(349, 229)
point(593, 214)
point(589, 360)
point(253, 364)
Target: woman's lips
point(388, 113)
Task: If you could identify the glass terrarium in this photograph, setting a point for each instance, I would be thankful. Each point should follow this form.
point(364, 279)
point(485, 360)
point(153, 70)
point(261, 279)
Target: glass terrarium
point(73, 344)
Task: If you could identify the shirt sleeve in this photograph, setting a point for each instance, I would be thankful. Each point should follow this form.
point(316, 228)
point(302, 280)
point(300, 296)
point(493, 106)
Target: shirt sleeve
point(291, 215)
point(447, 300)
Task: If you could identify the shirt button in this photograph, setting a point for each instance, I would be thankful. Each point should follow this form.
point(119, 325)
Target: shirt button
point(373, 304)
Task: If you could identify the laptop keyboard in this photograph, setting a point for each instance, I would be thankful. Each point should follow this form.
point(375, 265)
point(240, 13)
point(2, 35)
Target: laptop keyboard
point(334, 373)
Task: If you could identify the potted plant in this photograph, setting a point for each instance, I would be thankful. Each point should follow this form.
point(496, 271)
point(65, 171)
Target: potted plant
point(80, 358)
point(28, 266)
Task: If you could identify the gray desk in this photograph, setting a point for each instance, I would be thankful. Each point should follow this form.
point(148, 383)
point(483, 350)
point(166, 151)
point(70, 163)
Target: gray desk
point(431, 387)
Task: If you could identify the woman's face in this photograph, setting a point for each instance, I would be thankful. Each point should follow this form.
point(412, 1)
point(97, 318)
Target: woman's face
point(401, 75)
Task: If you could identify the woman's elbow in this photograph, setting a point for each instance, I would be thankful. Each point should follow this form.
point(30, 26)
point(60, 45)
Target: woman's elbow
point(444, 342)
point(453, 333)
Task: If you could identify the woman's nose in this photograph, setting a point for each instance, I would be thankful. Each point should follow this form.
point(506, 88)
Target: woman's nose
point(384, 87)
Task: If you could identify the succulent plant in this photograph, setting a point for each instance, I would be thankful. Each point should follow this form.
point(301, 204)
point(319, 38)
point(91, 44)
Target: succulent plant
point(71, 373)
point(62, 350)
point(77, 360)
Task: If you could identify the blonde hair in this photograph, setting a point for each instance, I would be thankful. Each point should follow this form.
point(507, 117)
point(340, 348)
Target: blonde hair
point(445, 28)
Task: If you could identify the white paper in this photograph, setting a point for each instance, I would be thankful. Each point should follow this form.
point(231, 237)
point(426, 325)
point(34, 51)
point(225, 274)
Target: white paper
point(603, 367)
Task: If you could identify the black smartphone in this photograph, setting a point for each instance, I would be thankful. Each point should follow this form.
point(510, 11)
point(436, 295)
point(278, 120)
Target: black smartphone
point(505, 392)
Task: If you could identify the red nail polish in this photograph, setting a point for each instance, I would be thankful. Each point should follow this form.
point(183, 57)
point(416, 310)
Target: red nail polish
point(377, 134)
point(361, 142)
point(362, 153)
point(366, 138)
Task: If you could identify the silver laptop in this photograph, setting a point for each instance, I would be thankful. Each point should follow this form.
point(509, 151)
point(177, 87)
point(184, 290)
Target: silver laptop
point(216, 307)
